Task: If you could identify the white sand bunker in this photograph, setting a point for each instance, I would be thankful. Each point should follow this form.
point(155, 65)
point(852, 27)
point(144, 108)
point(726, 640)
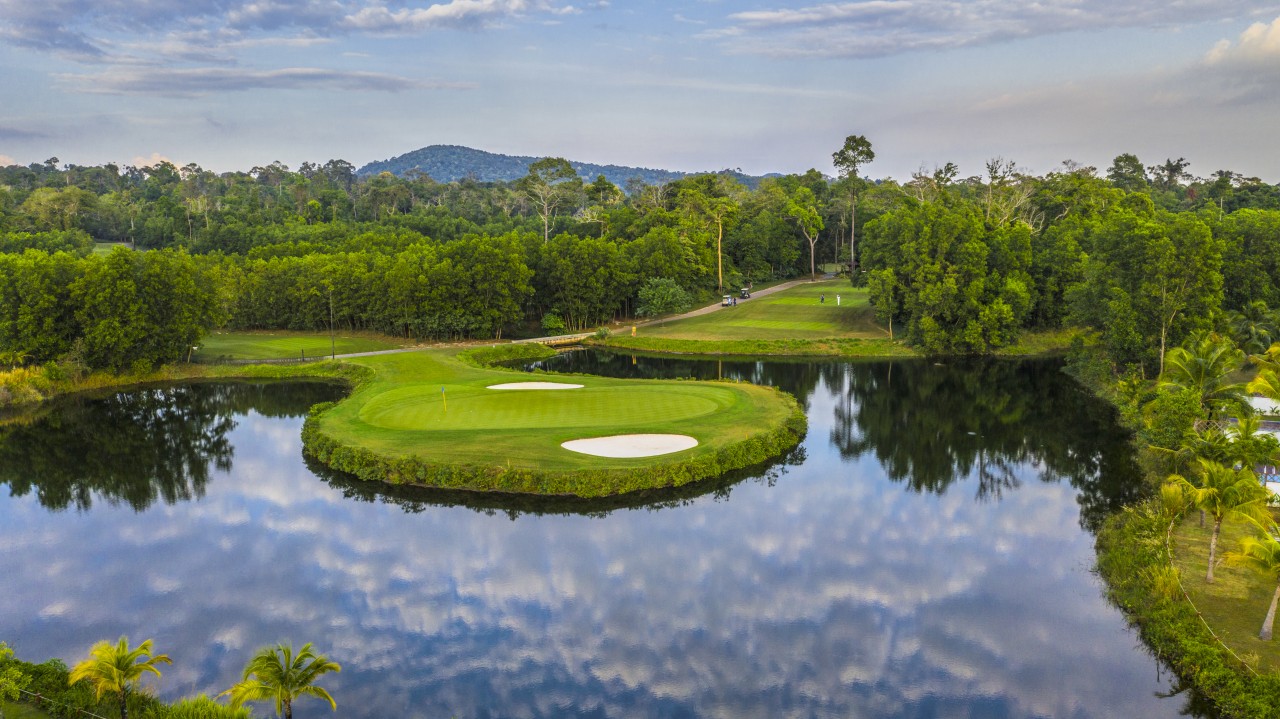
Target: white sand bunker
point(631, 445)
point(535, 385)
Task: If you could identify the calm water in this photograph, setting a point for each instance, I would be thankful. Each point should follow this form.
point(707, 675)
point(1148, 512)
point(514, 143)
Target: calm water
point(926, 553)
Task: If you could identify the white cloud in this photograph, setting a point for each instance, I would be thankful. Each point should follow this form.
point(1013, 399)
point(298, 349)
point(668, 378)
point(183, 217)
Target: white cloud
point(194, 82)
point(875, 28)
point(1258, 44)
point(155, 159)
point(5, 161)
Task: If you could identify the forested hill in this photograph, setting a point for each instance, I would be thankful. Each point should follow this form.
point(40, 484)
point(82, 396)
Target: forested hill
point(450, 163)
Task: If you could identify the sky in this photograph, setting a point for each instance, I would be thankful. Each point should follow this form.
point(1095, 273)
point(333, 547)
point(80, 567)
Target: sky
point(761, 86)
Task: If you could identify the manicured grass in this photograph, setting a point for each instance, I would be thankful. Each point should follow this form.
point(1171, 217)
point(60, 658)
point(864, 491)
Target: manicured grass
point(791, 314)
point(1236, 603)
point(403, 412)
point(222, 346)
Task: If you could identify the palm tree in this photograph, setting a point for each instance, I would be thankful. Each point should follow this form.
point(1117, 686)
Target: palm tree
point(1261, 554)
point(1254, 327)
point(1203, 367)
point(275, 673)
point(1223, 492)
point(118, 669)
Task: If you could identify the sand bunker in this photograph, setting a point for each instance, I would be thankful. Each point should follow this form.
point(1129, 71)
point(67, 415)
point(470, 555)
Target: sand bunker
point(631, 445)
point(535, 385)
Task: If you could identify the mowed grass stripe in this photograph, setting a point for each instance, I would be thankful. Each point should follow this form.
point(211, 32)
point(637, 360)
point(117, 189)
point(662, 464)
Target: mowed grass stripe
point(414, 408)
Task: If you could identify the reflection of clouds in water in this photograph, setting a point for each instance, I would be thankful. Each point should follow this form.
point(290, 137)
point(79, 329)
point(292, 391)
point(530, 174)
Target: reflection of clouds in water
point(834, 593)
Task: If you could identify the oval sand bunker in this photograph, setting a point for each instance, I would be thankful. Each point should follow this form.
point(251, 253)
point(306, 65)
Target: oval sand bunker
point(631, 445)
point(535, 385)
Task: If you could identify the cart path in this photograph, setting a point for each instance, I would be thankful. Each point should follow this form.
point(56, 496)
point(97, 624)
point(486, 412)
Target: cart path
point(551, 340)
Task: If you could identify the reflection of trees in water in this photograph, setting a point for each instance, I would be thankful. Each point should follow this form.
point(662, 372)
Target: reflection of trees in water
point(418, 499)
point(929, 424)
point(140, 446)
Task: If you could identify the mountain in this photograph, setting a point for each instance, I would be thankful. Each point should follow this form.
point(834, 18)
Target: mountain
point(448, 163)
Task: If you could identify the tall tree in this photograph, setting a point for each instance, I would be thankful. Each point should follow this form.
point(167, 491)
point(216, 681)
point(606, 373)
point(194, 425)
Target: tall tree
point(118, 669)
point(856, 153)
point(1127, 173)
point(547, 186)
point(1204, 367)
point(275, 673)
point(802, 207)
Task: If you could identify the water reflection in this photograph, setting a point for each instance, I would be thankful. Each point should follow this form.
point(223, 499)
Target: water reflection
point(931, 424)
point(139, 447)
point(820, 589)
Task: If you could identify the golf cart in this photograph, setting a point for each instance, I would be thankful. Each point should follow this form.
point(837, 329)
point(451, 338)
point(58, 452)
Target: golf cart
point(726, 300)
point(745, 292)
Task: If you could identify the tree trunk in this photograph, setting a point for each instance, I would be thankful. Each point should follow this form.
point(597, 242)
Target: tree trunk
point(124, 704)
point(288, 709)
point(719, 256)
point(813, 268)
point(853, 229)
point(1267, 623)
point(1213, 547)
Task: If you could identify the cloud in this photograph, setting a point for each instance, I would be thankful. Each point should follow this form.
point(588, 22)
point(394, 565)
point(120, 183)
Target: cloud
point(194, 82)
point(875, 28)
point(5, 161)
point(1259, 44)
point(155, 159)
point(13, 134)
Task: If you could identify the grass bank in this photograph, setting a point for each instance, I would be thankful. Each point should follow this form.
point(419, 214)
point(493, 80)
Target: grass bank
point(428, 418)
point(1134, 559)
point(1237, 601)
point(227, 346)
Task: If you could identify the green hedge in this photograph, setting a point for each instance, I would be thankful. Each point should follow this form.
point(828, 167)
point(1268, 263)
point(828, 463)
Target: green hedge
point(1133, 559)
point(370, 466)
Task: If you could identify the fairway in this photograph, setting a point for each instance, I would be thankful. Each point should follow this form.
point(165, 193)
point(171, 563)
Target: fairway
point(224, 346)
point(795, 313)
point(432, 410)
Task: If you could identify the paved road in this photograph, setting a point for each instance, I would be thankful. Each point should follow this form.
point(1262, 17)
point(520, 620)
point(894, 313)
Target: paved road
point(717, 306)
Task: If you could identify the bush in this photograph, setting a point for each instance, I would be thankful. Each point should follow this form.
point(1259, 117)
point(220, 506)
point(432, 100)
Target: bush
point(553, 324)
point(522, 352)
point(200, 707)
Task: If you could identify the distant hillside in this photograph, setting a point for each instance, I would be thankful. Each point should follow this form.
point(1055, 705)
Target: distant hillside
point(448, 163)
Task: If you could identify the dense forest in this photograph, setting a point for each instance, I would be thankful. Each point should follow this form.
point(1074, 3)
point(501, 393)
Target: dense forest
point(954, 264)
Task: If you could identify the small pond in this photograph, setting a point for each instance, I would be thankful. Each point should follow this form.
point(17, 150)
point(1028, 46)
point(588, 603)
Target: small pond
point(926, 552)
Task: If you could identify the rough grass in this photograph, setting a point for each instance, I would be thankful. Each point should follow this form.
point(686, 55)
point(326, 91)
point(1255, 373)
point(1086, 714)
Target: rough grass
point(223, 346)
point(21, 711)
point(794, 313)
point(1041, 342)
point(1236, 603)
point(432, 405)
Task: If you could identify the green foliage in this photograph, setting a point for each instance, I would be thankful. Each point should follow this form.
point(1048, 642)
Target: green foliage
point(662, 296)
point(117, 669)
point(199, 707)
point(1133, 560)
point(508, 353)
point(64, 700)
point(12, 678)
point(277, 674)
point(553, 323)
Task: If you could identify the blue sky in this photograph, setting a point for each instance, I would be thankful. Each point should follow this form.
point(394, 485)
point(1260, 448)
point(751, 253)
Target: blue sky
point(765, 86)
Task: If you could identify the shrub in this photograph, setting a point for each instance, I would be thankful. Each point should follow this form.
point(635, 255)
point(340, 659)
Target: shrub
point(200, 707)
point(553, 323)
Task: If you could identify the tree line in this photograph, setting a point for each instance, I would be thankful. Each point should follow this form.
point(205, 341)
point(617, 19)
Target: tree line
point(1145, 255)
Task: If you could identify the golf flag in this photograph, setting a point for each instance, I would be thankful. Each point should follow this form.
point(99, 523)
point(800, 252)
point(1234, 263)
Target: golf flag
point(444, 398)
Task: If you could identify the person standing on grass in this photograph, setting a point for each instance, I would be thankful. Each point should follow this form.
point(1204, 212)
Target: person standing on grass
point(822, 298)
point(837, 300)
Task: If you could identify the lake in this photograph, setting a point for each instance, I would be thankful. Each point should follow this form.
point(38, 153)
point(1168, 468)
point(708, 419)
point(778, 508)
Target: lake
point(926, 552)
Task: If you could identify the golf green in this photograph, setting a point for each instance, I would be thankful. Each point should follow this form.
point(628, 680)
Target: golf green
point(429, 418)
point(467, 408)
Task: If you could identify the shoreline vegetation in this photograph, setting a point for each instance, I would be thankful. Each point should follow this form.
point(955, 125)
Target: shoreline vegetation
point(1153, 557)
